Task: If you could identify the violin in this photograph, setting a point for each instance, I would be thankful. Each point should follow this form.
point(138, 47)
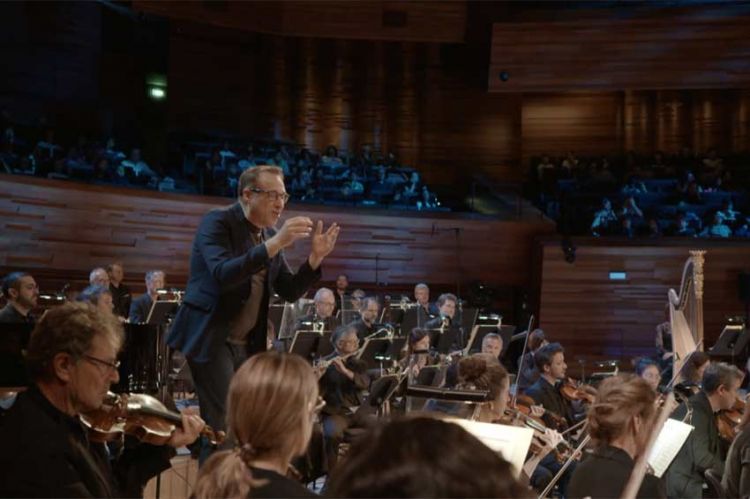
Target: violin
point(728, 421)
point(574, 390)
point(515, 417)
point(523, 404)
point(142, 416)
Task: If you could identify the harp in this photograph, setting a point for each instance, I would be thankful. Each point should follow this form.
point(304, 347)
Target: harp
point(686, 310)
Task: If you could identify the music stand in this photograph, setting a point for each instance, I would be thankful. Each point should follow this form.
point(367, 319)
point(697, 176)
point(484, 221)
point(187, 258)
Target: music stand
point(305, 344)
point(381, 392)
point(445, 341)
point(395, 349)
point(325, 347)
point(733, 342)
point(161, 311)
point(373, 351)
point(469, 318)
point(410, 321)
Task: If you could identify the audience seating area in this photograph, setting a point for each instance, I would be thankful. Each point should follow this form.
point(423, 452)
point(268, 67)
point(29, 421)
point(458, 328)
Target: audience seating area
point(213, 167)
point(683, 195)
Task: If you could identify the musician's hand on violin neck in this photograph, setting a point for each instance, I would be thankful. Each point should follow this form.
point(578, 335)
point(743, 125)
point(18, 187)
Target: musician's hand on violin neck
point(192, 424)
point(537, 410)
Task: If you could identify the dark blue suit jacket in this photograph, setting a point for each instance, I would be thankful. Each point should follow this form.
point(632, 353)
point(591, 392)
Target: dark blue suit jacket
point(222, 261)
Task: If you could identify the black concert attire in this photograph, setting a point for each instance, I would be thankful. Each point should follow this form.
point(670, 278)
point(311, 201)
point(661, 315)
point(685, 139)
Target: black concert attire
point(306, 323)
point(736, 480)
point(47, 453)
point(528, 374)
point(701, 451)
point(605, 472)
point(9, 315)
point(549, 397)
point(426, 314)
point(275, 486)
point(433, 325)
point(363, 330)
point(140, 308)
point(343, 396)
point(121, 299)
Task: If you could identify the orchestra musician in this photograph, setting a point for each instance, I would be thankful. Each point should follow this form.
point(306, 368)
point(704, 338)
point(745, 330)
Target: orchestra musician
point(702, 449)
point(22, 293)
point(46, 451)
point(99, 296)
point(492, 344)
point(447, 304)
point(736, 479)
point(343, 380)
point(619, 422)
point(322, 316)
point(341, 298)
point(649, 370)
point(528, 373)
point(418, 354)
point(273, 402)
point(550, 362)
point(369, 308)
point(425, 310)
point(121, 296)
point(141, 306)
point(688, 381)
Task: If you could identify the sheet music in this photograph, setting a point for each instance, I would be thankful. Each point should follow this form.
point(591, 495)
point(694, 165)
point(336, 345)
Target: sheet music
point(511, 442)
point(669, 442)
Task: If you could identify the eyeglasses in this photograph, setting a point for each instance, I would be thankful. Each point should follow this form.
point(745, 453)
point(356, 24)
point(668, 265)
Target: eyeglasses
point(113, 366)
point(273, 195)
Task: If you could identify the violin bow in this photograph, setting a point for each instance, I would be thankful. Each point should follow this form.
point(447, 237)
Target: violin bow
point(520, 364)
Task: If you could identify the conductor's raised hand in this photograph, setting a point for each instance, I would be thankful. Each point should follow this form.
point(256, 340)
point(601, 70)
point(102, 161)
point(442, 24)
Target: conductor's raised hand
point(294, 228)
point(322, 243)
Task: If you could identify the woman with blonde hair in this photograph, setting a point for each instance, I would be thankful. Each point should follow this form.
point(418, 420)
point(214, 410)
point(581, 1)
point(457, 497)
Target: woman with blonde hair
point(271, 408)
point(620, 421)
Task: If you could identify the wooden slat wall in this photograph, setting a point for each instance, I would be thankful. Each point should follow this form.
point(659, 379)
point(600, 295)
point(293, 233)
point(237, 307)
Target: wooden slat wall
point(594, 317)
point(554, 124)
point(70, 228)
point(443, 21)
point(687, 51)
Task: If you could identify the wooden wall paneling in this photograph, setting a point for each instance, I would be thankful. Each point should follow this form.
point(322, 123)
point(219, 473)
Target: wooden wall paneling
point(638, 121)
point(43, 229)
point(710, 123)
point(556, 123)
point(594, 317)
point(740, 120)
point(673, 125)
point(639, 52)
point(416, 20)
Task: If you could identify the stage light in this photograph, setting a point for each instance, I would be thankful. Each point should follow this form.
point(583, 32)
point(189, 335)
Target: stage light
point(157, 93)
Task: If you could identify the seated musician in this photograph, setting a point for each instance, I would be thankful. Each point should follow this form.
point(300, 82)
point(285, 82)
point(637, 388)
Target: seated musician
point(141, 306)
point(341, 385)
point(425, 310)
point(492, 344)
point(447, 303)
point(98, 296)
point(688, 381)
point(322, 318)
point(22, 293)
point(369, 308)
point(272, 402)
point(46, 452)
point(619, 422)
point(550, 362)
point(528, 373)
point(417, 354)
point(422, 457)
point(702, 450)
point(649, 370)
point(736, 479)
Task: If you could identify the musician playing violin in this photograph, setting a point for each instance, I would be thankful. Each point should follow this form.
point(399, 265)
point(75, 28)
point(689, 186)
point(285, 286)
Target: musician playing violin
point(46, 452)
point(341, 385)
point(550, 361)
point(736, 480)
point(702, 450)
